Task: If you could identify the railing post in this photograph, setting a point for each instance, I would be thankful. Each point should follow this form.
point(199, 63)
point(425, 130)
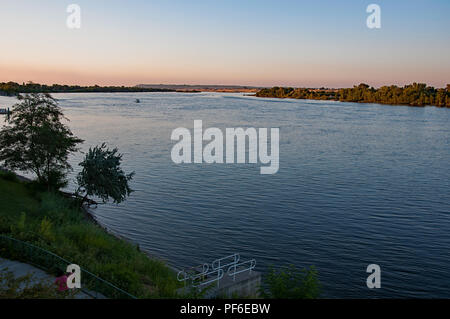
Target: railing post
point(218, 275)
point(235, 267)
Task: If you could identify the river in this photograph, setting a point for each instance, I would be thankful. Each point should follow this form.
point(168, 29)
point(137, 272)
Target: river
point(358, 184)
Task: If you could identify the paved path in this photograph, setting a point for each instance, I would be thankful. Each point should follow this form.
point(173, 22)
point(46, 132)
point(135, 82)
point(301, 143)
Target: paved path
point(38, 276)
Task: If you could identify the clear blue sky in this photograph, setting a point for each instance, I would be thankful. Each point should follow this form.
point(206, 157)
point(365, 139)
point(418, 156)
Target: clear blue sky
point(299, 43)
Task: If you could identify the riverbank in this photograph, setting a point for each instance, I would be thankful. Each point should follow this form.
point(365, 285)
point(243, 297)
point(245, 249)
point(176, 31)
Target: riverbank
point(54, 223)
point(416, 94)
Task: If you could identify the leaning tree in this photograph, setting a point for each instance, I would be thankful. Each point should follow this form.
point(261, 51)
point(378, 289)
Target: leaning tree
point(102, 176)
point(36, 140)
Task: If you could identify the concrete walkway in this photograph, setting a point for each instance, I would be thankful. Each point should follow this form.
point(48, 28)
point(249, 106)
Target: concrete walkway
point(38, 276)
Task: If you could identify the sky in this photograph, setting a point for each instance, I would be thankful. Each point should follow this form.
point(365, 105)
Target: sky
point(247, 42)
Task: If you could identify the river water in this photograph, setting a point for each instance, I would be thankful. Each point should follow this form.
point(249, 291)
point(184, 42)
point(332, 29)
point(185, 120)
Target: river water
point(358, 184)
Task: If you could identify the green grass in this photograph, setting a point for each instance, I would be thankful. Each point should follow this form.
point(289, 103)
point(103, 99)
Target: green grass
point(12, 287)
point(53, 222)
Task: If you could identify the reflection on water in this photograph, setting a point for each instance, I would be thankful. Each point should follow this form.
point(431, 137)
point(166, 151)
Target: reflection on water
point(358, 184)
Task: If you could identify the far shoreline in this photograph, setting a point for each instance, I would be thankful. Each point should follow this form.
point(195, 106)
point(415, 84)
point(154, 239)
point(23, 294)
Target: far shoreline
point(14, 89)
point(415, 94)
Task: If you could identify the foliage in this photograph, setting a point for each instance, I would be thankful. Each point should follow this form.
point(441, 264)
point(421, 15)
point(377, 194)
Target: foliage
point(12, 88)
point(45, 229)
point(416, 94)
point(36, 140)
point(102, 176)
point(55, 223)
point(22, 287)
point(8, 175)
point(290, 283)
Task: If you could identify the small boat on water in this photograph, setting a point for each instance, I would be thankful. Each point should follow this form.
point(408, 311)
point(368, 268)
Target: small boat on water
point(138, 101)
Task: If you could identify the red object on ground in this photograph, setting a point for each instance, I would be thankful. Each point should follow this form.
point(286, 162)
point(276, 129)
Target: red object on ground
point(62, 283)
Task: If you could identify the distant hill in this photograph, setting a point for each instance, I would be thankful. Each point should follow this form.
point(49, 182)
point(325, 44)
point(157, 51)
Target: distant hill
point(203, 88)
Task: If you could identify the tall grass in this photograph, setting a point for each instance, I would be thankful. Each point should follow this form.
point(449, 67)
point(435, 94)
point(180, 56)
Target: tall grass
point(52, 222)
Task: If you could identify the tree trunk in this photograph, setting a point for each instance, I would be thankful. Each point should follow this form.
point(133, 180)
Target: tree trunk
point(83, 200)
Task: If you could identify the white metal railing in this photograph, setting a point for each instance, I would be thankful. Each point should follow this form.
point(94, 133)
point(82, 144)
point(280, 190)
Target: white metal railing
point(193, 272)
point(201, 275)
point(203, 279)
point(241, 267)
point(221, 262)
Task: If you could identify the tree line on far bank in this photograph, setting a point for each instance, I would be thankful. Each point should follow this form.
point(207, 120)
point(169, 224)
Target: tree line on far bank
point(13, 88)
point(416, 94)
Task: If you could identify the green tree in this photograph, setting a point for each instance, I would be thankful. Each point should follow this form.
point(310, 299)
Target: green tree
point(291, 283)
point(416, 94)
point(36, 140)
point(102, 175)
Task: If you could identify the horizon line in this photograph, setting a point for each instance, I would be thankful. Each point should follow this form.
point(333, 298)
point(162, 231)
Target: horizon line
point(223, 85)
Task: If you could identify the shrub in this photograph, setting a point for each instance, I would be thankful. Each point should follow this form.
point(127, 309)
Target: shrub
point(290, 283)
point(8, 176)
point(45, 229)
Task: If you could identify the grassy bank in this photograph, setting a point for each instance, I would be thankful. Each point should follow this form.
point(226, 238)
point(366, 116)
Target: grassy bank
point(53, 222)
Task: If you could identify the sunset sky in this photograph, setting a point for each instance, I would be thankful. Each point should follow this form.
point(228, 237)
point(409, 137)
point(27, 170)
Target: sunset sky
point(296, 43)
